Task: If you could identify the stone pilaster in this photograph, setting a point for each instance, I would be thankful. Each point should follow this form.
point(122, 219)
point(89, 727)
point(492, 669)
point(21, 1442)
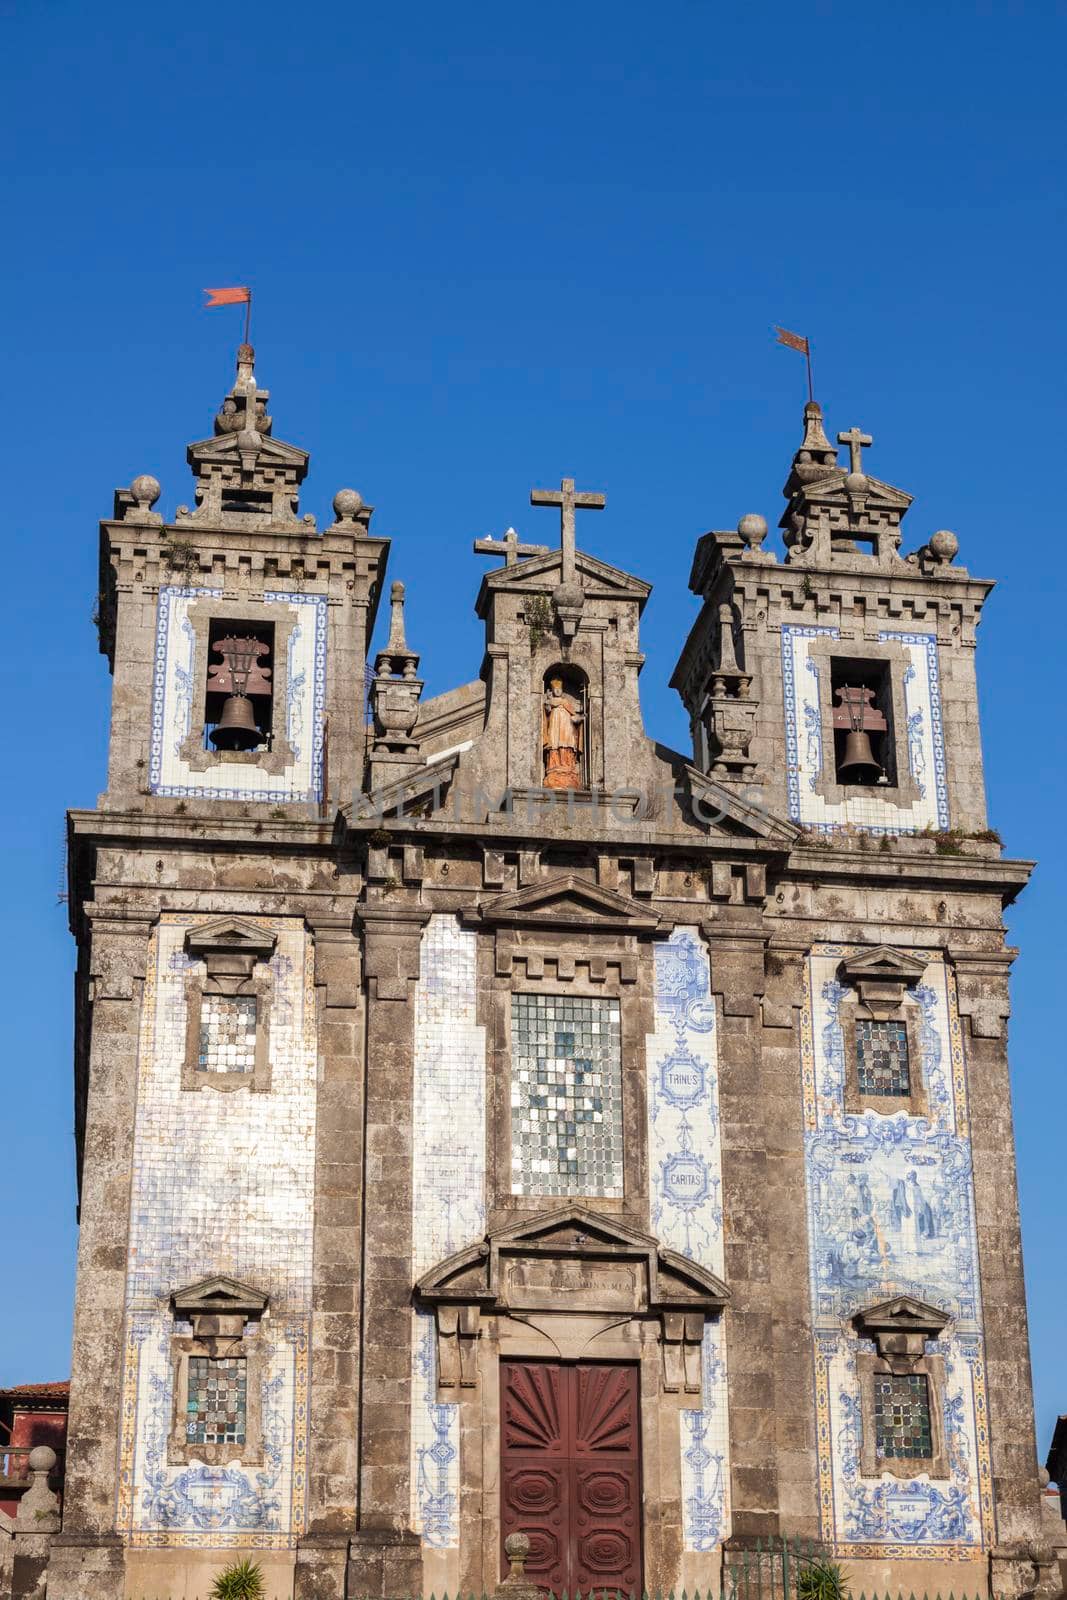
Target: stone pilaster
point(385, 1556)
point(737, 981)
point(333, 1452)
point(787, 1246)
point(87, 1556)
point(982, 990)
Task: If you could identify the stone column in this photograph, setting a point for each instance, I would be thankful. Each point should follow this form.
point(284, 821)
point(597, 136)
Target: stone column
point(385, 1556)
point(333, 1449)
point(87, 1557)
point(982, 991)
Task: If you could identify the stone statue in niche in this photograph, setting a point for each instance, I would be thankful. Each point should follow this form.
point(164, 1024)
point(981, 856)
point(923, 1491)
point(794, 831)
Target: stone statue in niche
point(562, 737)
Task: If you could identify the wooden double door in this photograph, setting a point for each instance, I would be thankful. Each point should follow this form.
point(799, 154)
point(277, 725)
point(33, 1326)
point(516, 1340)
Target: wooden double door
point(571, 1473)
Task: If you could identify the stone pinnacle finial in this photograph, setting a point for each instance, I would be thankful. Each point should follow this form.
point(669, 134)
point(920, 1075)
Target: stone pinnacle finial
point(244, 410)
point(397, 643)
point(727, 657)
point(816, 456)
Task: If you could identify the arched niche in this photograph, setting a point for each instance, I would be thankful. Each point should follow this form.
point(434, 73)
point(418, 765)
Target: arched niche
point(565, 727)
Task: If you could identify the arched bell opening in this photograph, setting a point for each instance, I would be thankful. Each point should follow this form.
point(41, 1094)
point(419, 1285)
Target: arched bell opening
point(565, 728)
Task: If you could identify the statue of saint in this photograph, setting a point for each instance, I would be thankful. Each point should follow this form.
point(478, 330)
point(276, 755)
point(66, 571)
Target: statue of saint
point(561, 737)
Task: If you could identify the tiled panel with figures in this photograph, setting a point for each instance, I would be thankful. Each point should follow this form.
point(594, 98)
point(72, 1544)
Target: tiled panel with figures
point(685, 1171)
point(448, 1158)
point(174, 715)
point(222, 1183)
point(891, 1210)
point(806, 692)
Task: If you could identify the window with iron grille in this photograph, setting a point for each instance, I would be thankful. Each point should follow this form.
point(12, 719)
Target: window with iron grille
point(902, 1416)
point(217, 1403)
point(882, 1065)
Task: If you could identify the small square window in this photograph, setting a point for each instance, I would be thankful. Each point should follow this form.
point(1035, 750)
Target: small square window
point(227, 1033)
point(217, 1400)
point(902, 1416)
point(882, 1065)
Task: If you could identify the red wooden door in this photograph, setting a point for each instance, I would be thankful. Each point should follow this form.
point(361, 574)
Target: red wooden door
point(571, 1473)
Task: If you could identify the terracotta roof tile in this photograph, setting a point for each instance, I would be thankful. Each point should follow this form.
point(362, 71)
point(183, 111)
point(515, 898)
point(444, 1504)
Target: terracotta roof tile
point(43, 1391)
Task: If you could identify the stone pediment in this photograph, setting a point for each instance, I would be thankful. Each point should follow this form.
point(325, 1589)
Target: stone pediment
point(597, 578)
point(876, 492)
point(569, 1263)
point(219, 1296)
point(230, 934)
point(571, 903)
point(572, 1259)
point(880, 977)
point(226, 447)
point(901, 1326)
point(884, 962)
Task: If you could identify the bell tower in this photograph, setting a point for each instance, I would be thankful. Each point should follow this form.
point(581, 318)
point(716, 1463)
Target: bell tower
point(835, 683)
point(237, 632)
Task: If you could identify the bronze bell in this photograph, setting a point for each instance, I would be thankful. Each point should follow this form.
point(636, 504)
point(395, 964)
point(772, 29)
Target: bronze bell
point(236, 729)
point(858, 760)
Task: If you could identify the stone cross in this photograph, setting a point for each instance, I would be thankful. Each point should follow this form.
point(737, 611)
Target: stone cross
point(568, 503)
point(856, 442)
point(508, 547)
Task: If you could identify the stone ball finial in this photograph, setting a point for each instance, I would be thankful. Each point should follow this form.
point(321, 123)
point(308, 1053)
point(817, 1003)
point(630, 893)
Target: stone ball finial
point(145, 490)
point(517, 1549)
point(752, 529)
point(347, 504)
point(42, 1457)
point(569, 595)
point(397, 591)
point(944, 545)
point(856, 483)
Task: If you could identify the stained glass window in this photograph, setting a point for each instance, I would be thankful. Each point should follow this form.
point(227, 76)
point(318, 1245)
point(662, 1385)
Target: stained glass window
point(227, 1033)
point(902, 1415)
point(217, 1403)
point(882, 1058)
point(566, 1096)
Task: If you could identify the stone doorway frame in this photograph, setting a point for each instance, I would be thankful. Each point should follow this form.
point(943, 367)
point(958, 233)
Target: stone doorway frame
point(571, 1285)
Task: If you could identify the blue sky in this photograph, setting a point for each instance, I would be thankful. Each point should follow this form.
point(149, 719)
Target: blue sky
point(490, 246)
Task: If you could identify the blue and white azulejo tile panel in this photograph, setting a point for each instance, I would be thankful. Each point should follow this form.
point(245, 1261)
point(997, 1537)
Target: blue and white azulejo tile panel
point(685, 1176)
point(174, 714)
point(890, 1203)
point(806, 691)
point(448, 1203)
point(222, 1183)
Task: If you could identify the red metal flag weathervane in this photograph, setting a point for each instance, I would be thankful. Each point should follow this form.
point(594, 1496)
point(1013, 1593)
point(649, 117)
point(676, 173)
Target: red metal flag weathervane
point(241, 295)
point(797, 341)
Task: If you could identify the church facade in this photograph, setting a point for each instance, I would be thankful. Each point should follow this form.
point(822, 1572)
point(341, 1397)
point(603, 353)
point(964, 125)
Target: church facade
point(491, 1121)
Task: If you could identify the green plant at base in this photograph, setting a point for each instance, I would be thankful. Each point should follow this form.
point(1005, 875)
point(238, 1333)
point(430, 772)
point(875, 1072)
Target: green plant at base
point(822, 1580)
point(241, 1580)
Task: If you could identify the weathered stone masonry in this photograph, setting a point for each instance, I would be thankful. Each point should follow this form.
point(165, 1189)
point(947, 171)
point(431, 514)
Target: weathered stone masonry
point(433, 1072)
